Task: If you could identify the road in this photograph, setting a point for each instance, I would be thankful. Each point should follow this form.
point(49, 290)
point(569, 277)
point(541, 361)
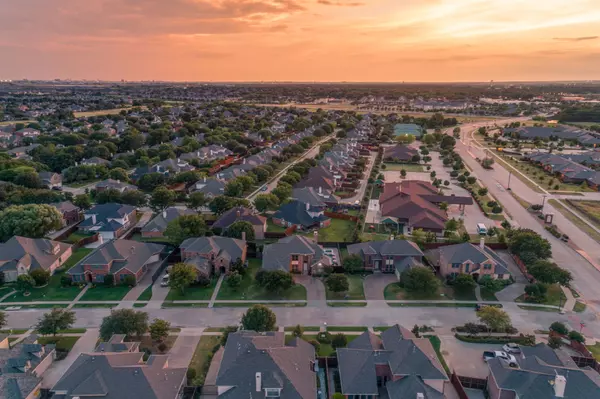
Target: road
point(586, 276)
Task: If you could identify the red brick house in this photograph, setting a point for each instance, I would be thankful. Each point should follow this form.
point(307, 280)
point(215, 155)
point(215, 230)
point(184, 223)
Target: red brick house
point(70, 213)
point(212, 255)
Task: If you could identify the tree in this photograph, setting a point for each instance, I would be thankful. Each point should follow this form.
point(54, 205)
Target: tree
point(487, 163)
point(274, 281)
point(196, 200)
point(119, 174)
point(452, 224)
point(161, 199)
point(353, 263)
point(234, 280)
point(496, 319)
point(555, 342)
point(403, 173)
point(182, 275)
point(25, 282)
point(108, 196)
point(298, 331)
point(419, 280)
point(82, 201)
point(221, 204)
point(456, 133)
point(134, 198)
point(124, 321)
point(159, 329)
point(339, 341)
point(234, 189)
point(576, 336)
point(236, 230)
point(528, 244)
point(265, 202)
point(337, 283)
point(259, 318)
point(40, 276)
point(471, 179)
point(464, 282)
point(3, 319)
point(150, 181)
point(33, 221)
point(405, 138)
point(184, 227)
point(283, 191)
point(559, 328)
point(549, 273)
point(55, 320)
point(536, 291)
point(482, 191)
point(228, 330)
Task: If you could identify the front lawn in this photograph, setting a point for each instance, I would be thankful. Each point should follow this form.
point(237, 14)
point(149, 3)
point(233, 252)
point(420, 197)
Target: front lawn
point(193, 292)
point(554, 296)
point(146, 295)
point(249, 290)
point(106, 293)
point(62, 343)
point(409, 167)
point(394, 291)
point(77, 255)
point(51, 292)
point(356, 291)
point(324, 349)
point(202, 357)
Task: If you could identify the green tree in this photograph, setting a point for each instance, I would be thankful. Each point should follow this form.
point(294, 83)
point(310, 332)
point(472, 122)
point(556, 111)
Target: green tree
point(221, 204)
point(119, 174)
point(234, 189)
point(298, 331)
point(55, 320)
point(82, 201)
point(161, 199)
point(420, 280)
point(266, 202)
point(33, 221)
point(274, 281)
point(124, 321)
point(234, 280)
point(151, 181)
point(559, 328)
point(109, 195)
point(159, 329)
point(576, 336)
point(496, 319)
point(403, 173)
point(182, 276)
point(339, 341)
point(259, 318)
point(236, 229)
point(337, 283)
point(184, 227)
point(283, 191)
point(405, 138)
point(464, 282)
point(353, 263)
point(40, 276)
point(196, 200)
point(25, 283)
point(529, 245)
point(228, 330)
point(549, 273)
point(134, 198)
point(3, 320)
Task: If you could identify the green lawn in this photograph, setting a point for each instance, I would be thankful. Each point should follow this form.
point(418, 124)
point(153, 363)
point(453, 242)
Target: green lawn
point(436, 343)
point(62, 343)
point(579, 307)
point(595, 349)
point(248, 290)
point(589, 209)
point(324, 349)
point(160, 240)
point(554, 296)
point(77, 236)
point(347, 304)
point(51, 292)
point(273, 228)
point(146, 295)
point(488, 295)
point(356, 291)
point(338, 231)
point(575, 220)
point(538, 308)
point(393, 291)
point(346, 328)
point(79, 184)
point(193, 293)
point(167, 304)
point(95, 305)
point(78, 254)
point(305, 328)
point(409, 167)
point(106, 293)
point(202, 357)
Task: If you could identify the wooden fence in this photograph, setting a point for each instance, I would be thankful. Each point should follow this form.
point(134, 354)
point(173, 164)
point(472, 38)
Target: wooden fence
point(523, 268)
point(343, 216)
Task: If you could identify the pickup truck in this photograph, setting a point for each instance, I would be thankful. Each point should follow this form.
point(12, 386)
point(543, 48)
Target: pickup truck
point(503, 356)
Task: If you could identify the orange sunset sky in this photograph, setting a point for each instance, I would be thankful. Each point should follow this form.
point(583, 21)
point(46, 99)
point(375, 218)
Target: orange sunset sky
point(300, 40)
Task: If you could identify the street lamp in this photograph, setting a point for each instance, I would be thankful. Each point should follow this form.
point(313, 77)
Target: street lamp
point(543, 202)
point(509, 175)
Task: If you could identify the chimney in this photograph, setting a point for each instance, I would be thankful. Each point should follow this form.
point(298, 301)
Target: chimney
point(482, 243)
point(93, 218)
point(320, 190)
point(204, 179)
point(420, 395)
point(238, 213)
point(244, 235)
point(198, 154)
point(258, 381)
point(316, 235)
point(560, 383)
point(165, 214)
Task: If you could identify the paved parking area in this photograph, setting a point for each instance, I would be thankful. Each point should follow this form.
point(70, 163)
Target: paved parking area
point(183, 349)
point(466, 358)
point(374, 285)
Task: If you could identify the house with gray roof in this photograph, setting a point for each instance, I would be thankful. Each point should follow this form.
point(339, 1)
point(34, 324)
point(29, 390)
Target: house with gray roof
point(22, 255)
point(396, 365)
point(50, 179)
point(297, 254)
point(466, 258)
point(318, 197)
point(157, 226)
point(120, 375)
point(117, 343)
point(541, 373)
point(22, 367)
point(263, 365)
point(211, 255)
point(120, 258)
point(393, 256)
point(95, 161)
point(110, 220)
point(240, 213)
point(302, 215)
point(111, 184)
point(209, 187)
point(70, 213)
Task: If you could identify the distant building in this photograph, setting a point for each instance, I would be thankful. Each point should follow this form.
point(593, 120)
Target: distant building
point(403, 129)
point(22, 255)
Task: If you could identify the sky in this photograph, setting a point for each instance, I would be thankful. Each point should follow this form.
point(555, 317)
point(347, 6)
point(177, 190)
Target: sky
point(301, 40)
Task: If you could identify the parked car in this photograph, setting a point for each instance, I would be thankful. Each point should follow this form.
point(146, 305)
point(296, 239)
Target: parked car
point(264, 188)
point(503, 356)
point(165, 281)
point(511, 348)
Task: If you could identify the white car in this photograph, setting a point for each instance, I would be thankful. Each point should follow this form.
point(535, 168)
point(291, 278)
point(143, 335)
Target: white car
point(511, 348)
point(165, 281)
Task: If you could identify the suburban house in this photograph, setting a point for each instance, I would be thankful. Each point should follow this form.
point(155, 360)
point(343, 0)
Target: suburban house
point(110, 220)
point(70, 213)
point(157, 226)
point(393, 256)
point(303, 215)
point(395, 365)
point(209, 187)
point(117, 343)
point(120, 375)
point(51, 180)
point(413, 204)
point(399, 153)
point(263, 365)
point(259, 223)
point(121, 258)
point(175, 165)
point(208, 154)
point(110, 184)
point(296, 254)
point(95, 161)
point(319, 177)
point(565, 168)
point(212, 255)
point(22, 366)
point(21, 255)
point(315, 197)
point(541, 373)
point(467, 258)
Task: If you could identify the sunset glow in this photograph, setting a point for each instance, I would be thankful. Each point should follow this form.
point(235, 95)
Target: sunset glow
point(301, 40)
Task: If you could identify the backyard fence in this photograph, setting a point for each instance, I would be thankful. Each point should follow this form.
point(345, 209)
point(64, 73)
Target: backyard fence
point(343, 216)
point(523, 268)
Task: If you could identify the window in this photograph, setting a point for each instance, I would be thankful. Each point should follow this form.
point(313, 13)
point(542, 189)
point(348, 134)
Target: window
point(294, 257)
point(122, 276)
point(500, 276)
point(456, 265)
point(487, 266)
point(77, 277)
point(100, 278)
point(272, 392)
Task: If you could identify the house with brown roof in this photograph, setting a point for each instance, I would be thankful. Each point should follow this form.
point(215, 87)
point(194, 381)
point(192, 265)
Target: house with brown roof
point(414, 204)
point(51, 180)
point(70, 213)
point(210, 255)
point(399, 153)
point(21, 255)
point(240, 213)
point(295, 254)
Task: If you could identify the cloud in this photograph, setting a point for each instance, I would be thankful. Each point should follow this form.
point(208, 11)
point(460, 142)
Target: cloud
point(575, 39)
point(339, 3)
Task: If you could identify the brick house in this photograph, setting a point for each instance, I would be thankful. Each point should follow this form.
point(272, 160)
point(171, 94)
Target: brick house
point(467, 258)
point(157, 226)
point(110, 220)
point(295, 254)
point(21, 255)
point(70, 213)
point(120, 258)
point(303, 215)
point(393, 256)
point(51, 179)
point(212, 255)
point(239, 213)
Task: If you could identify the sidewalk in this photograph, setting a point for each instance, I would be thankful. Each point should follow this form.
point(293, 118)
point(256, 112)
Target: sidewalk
point(570, 303)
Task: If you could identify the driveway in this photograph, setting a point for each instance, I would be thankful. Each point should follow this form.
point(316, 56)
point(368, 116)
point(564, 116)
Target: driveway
point(85, 344)
point(466, 358)
point(315, 290)
point(183, 349)
point(144, 283)
point(511, 292)
point(376, 283)
point(512, 267)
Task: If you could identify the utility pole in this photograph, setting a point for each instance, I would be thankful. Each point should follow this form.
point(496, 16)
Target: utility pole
point(509, 175)
point(543, 202)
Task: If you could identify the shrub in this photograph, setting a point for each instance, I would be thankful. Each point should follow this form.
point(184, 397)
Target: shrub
point(109, 279)
point(129, 280)
point(40, 276)
point(339, 341)
point(190, 374)
point(576, 336)
point(315, 344)
point(65, 281)
point(324, 337)
point(162, 347)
